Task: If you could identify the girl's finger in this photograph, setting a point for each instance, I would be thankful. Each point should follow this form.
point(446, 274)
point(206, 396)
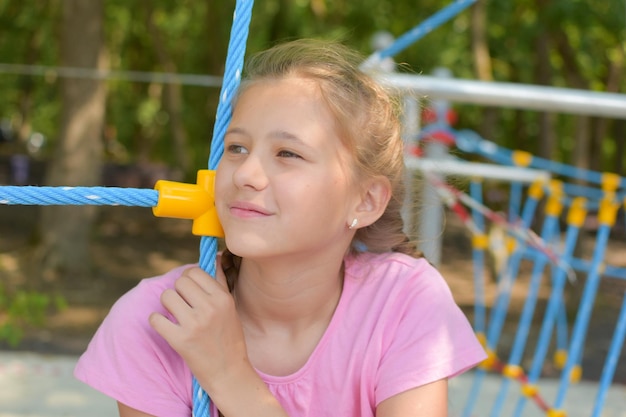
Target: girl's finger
point(175, 304)
point(163, 326)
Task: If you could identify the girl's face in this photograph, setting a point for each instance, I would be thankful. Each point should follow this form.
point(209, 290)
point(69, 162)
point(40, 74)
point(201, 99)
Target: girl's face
point(284, 185)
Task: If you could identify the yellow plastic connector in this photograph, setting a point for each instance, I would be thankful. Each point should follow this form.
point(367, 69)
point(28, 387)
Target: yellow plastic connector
point(536, 189)
point(560, 357)
point(191, 201)
point(529, 390)
point(554, 206)
point(480, 241)
point(577, 212)
point(511, 244)
point(482, 339)
point(490, 362)
point(521, 158)
point(610, 181)
point(576, 374)
point(553, 412)
point(512, 371)
point(608, 211)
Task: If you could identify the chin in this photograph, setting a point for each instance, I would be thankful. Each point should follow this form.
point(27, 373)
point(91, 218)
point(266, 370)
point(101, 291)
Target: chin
point(247, 247)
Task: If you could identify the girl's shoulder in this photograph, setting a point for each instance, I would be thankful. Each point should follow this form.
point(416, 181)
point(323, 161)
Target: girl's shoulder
point(389, 266)
point(144, 298)
point(157, 284)
point(395, 276)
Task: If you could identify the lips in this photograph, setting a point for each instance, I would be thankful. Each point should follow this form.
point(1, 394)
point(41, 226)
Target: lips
point(245, 209)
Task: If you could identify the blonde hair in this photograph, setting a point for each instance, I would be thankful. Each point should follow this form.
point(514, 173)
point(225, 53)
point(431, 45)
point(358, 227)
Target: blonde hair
point(367, 118)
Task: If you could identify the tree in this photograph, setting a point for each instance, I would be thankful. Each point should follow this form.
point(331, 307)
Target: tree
point(63, 251)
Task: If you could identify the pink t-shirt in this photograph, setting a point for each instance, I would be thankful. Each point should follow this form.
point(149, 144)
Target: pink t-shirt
point(396, 327)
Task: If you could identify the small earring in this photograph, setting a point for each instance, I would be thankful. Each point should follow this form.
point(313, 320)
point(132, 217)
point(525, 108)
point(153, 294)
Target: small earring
point(355, 221)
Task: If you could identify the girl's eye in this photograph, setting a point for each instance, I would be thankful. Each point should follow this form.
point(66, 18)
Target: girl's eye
point(237, 149)
point(288, 154)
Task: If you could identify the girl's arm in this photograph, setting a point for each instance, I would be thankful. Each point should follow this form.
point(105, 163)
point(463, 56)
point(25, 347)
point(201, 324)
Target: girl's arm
point(208, 335)
point(430, 400)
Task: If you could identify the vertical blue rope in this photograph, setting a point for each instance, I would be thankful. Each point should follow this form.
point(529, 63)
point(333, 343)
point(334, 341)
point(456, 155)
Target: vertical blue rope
point(584, 313)
point(232, 78)
point(611, 360)
point(559, 278)
point(521, 337)
point(499, 311)
point(478, 255)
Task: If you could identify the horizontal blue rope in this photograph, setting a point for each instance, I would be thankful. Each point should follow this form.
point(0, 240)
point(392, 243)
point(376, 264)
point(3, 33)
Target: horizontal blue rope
point(100, 196)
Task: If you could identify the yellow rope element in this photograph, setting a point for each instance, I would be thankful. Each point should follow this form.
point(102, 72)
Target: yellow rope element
point(480, 241)
point(521, 158)
point(577, 212)
point(560, 357)
point(512, 371)
point(529, 390)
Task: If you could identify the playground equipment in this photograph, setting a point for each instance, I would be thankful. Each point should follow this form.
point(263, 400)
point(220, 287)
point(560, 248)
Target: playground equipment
point(183, 200)
point(532, 176)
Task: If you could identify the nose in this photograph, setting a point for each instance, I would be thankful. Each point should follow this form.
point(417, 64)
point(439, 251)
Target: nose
point(250, 173)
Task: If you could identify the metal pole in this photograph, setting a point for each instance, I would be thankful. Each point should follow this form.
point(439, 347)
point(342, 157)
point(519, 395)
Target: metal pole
point(513, 95)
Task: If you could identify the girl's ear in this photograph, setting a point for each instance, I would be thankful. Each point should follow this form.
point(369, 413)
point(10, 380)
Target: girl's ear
point(373, 201)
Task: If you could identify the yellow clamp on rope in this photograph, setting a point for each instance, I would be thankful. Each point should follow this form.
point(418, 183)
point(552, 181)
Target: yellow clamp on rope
point(560, 357)
point(608, 210)
point(536, 189)
point(610, 181)
point(577, 212)
point(512, 371)
point(191, 201)
point(482, 339)
point(576, 374)
point(521, 158)
point(490, 362)
point(510, 243)
point(480, 241)
point(529, 390)
point(553, 412)
point(554, 206)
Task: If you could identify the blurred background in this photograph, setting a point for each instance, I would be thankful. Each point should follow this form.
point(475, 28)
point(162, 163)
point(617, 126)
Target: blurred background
point(123, 93)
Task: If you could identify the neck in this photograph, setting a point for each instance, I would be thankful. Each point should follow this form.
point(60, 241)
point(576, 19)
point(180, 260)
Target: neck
point(291, 295)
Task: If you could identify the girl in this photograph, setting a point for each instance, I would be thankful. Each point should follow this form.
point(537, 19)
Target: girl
point(322, 306)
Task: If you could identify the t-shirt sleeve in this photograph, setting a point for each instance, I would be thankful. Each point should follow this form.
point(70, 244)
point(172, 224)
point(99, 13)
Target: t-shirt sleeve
point(429, 339)
point(128, 361)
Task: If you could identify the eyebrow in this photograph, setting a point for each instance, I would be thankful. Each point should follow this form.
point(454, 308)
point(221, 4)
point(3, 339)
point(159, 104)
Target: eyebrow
point(275, 134)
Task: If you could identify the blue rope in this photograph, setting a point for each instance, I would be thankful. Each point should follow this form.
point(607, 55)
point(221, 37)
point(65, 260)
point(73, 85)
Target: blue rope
point(232, 78)
point(421, 30)
point(102, 196)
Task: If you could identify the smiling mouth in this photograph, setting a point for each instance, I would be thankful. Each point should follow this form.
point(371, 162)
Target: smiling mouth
point(248, 210)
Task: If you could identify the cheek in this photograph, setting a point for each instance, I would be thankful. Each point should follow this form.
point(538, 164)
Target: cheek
point(221, 184)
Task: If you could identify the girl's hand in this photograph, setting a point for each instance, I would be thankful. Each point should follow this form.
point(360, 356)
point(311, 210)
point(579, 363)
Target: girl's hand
point(206, 332)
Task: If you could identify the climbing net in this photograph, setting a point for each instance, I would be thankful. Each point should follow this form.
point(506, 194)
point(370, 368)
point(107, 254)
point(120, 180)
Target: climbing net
point(563, 198)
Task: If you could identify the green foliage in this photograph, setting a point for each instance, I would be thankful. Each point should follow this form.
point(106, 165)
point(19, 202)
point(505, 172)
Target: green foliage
point(193, 34)
point(22, 309)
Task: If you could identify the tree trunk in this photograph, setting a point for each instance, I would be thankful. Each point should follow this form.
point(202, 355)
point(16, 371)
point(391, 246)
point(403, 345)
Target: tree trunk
point(574, 77)
point(63, 252)
point(543, 76)
point(482, 64)
point(172, 99)
point(614, 78)
point(619, 134)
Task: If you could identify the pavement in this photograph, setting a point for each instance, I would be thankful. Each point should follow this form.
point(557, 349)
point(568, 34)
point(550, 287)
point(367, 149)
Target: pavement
point(35, 385)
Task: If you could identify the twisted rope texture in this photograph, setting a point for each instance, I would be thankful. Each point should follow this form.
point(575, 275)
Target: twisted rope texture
point(232, 78)
point(102, 196)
